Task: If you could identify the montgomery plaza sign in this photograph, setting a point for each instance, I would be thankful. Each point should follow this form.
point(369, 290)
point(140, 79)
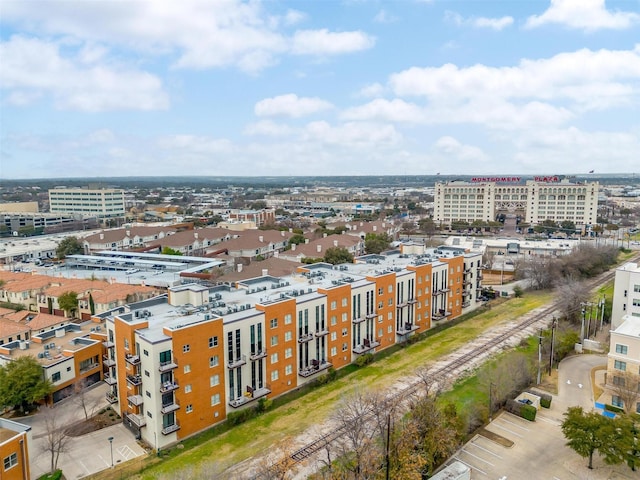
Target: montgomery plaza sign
point(542, 179)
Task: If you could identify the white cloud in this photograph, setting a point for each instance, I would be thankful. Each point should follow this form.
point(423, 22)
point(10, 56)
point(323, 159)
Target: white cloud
point(372, 90)
point(384, 17)
point(268, 128)
point(611, 77)
point(33, 67)
point(584, 15)
point(479, 22)
point(386, 110)
point(323, 42)
point(290, 105)
point(352, 134)
point(195, 34)
point(454, 150)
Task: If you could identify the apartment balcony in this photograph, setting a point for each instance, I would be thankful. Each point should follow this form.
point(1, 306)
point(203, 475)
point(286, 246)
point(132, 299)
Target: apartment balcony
point(167, 366)
point(89, 367)
point(366, 345)
point(467, 282)
point(108, 344)
point(134, 380)
point(468, 270)
point(237, 362)
point(466, 304)
point(373, 314)
point(108, 361)
point(137, 420)
point(315, 367)
point(412, 301)
point(322, 332)
point(167, 387)
point(169, 407)
point(171, 428)
point(441, 291)
point(466, 293)
point(358, 320)
point(250, 395)
point(112, 397)
point(406, 328)
point(402, 304)
point(440, 315)
point(304, 338)
point(110, 379)
point(258, 354)
point(132, 359)
point(135, 400)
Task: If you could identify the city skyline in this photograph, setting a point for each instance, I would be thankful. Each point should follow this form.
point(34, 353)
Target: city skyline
point(293, 88)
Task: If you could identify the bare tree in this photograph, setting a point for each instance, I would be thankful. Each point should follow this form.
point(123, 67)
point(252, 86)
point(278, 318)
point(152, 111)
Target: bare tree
point(537, 270)
point(571, 294)
point(278, 463)
point(55, 439)
point(489, 259)
point(432, 385)
point(84, 401)
point(626, 385)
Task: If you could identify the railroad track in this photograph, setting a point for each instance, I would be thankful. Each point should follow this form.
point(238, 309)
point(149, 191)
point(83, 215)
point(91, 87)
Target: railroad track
point(443, 372)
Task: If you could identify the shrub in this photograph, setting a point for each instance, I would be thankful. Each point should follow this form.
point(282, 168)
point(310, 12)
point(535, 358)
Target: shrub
point(365, 359)
point(528, 412)
point(264, 404)
point(241, 416)
point(518, 291)
point(613, 409)
point(57, 475)
point(545, 398)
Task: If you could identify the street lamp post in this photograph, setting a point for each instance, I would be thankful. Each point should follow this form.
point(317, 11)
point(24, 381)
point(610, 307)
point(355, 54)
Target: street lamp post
point(111, 448)
point(553, 331)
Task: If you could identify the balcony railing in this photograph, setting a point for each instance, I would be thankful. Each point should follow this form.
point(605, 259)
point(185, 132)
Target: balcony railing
point(402, 303)
point(315, 367)
point(358, 320)
point(171, 428)
point(168, 387)
point(132, 359)
point(466, 293)
point(112, 397)
point(108, 344)
point(110, 380)
point(137, 420)
point(168, 365)
point(136, 400)
point(440, 315)
point(107, 361)
point(169, 407)
point(305, 337)
point(322, 332)
point(91, 366)
point(466, 304)
point(412, 301)
point(406, 328)
point(373, 314)
point(250, 395)
point(134, 380)
point(237, 362)
point(366, 345)
point(258, 354)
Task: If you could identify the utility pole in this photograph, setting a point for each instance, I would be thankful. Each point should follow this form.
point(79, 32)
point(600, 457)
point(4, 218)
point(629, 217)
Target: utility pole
point(540, 357)
point(554, 324)
point(602, 303)
point(490, 401)
point(582, 325)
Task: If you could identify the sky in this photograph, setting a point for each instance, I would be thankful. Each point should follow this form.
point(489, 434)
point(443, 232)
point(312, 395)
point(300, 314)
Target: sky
point(104, 88)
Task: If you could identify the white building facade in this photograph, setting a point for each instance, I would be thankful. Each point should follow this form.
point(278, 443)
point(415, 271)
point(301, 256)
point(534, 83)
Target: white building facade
point(102, 203)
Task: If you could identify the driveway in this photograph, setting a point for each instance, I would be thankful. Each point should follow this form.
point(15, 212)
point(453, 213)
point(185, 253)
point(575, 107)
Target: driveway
point(86, 454)
point(574, 381)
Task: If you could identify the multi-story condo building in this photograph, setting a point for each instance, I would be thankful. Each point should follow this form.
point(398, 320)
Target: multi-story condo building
point(101, 203)
point(623, 367)
point(181, 362)
point(544, 198)
point(14, 450)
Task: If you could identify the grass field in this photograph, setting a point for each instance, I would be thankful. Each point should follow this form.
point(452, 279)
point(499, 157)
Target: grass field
point(259, 434)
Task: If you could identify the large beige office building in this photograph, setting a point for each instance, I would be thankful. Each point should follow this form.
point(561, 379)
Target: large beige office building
point(537, 200)
point(102, 203)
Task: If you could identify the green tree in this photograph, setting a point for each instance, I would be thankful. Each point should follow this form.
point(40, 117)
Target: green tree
point(297, 238)
point(69, 246)
point(170, 251)
point(22, 383)
point(590, 432)
point(376, 242)
point(568, 226)
point(68, 302)
point(337, 255)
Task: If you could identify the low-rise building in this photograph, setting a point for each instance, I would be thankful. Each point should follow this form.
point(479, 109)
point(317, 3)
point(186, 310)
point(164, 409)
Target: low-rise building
point(15, 439)
point(101, 203)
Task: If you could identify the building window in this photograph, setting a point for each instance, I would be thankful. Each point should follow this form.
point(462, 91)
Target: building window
point(288, 353)
point(345, 301)
point(274, 375)
point(273, 323)
point(618, 381)
point(618, 365)
point(146, 353)
point(126, 344)
point(390, 288)
point(55, 377)
point(187, 388)
point(334, 351)
point(288, 370)
point(10, 461)
point(274, 358)
point(215, 399)
point(213, 341)
point(344, 347)
point(214, 380)
point(187, 368)
point(380, 291)
point(274, 340)
point(334, 320)
point(616, 401)
point(287, 319)
point(288, 336)
point(334, 335)
point(345, 331)
point(213, 361)
point(334, 305)
point(186, 348)
point(189, 408)
point(621, 349)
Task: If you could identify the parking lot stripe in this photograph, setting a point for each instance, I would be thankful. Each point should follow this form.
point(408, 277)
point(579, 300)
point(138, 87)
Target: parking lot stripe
point(471, 466)
point(495, 424)
point(515, 424)
point(486, 450)
point(477, 457)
